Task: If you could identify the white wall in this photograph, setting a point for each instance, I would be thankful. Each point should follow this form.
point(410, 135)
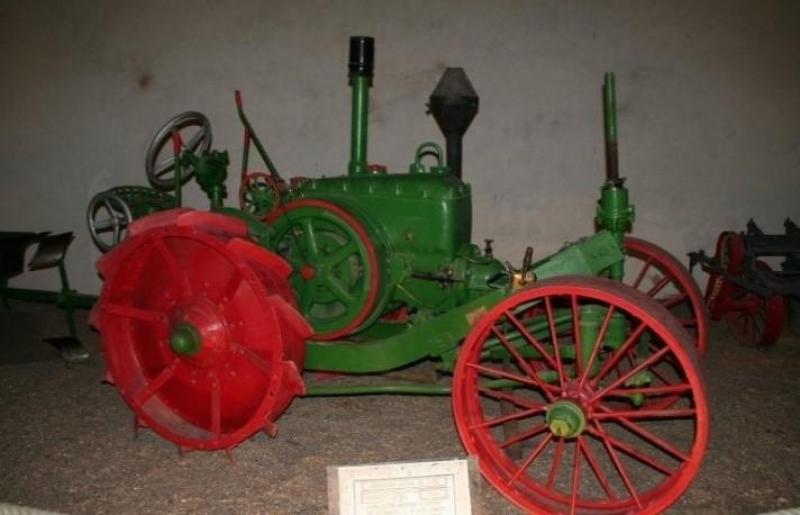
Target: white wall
point(709, 96)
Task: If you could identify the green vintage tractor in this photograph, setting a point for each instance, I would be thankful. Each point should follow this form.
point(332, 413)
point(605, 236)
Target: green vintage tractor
point(574, 378)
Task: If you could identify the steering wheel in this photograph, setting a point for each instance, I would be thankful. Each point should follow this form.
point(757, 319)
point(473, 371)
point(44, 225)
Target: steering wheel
point(107, 212)
point(259, 193)
point(195, 131)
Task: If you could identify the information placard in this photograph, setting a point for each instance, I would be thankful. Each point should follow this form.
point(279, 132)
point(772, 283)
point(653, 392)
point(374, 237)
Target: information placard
point(409, 488)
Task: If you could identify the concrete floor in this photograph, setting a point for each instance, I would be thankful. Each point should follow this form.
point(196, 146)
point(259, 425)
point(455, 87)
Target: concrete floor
point(67, 443)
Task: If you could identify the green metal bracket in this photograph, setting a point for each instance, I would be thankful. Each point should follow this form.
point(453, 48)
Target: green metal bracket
point(437, 336)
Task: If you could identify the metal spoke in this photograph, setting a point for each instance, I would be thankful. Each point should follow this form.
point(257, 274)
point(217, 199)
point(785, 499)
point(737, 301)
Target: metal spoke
point(156, 384)
point(620, 469)
point(529, 460)
point(339, 290)
point(652, 292)
point(674, 300)
point(533, 341)
point(596, 468)
point(598, 344)
point(576, 479)
point(652, 438)
point(171, 263)
point(524, 365)
point(646, 414)
point(508, 418)
point(307, 296)
point(228, 291)
point(557, 455)
point(525, 435)
point(502, 374)
point(612, 361)
point(253, 358)
point(145, 315)
point(576, 335)
point(340, 254)
point(104, 225)
point(510, 397)
point(652, 390)
point(630, 373)
point(631, 451)
point(309, 238)
point(642, 273)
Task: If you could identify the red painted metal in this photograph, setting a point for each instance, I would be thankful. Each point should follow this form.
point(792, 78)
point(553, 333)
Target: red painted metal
point(730, 256)
point(184, 266)
point(627, 459)
point(753, 319)
point(252, 180)
point(686, 301)
point(371, 257)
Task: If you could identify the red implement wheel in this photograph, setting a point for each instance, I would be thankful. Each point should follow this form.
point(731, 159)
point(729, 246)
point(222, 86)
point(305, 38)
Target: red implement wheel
point(752, 319)
point(657, 273)
point(260, 193)
point(199, 330)
point(337, 272)
point(622, 429)
point(730, 256)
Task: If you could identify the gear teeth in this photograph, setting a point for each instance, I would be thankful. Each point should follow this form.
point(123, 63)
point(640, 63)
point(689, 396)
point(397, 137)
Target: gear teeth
point(249, 250)
point(213, 223)
point(270, 428)
point(157, 220)
point(288, 314)
point(293, 379)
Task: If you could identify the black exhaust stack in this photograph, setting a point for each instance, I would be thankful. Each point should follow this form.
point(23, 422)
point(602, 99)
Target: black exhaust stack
point(453, 104)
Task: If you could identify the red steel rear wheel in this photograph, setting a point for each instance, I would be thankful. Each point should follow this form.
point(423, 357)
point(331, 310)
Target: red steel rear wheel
point(658, 274)
point(623, 430)
point(199, 329)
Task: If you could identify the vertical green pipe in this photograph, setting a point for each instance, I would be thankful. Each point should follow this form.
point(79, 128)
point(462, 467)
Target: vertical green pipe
point(614, 211)
point(360, 65)
point(358, 135)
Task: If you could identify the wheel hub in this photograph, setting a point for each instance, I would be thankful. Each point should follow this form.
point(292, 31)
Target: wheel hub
point(308, 272)
point(198, 331)
point(185, 339)
point(565, 419)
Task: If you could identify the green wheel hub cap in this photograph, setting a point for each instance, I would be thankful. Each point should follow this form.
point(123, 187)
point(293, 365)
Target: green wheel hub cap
point(185, 339)
point(565, 419)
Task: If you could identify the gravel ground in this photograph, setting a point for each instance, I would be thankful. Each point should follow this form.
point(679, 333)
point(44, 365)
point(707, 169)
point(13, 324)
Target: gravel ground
point(68, 445)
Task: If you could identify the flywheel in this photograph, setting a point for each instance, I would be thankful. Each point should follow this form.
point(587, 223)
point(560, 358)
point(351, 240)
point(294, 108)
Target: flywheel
point(199, 329)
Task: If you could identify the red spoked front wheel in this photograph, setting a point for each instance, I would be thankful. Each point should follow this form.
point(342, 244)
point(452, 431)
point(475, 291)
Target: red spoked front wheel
point(615, 424)
point(657, 273)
